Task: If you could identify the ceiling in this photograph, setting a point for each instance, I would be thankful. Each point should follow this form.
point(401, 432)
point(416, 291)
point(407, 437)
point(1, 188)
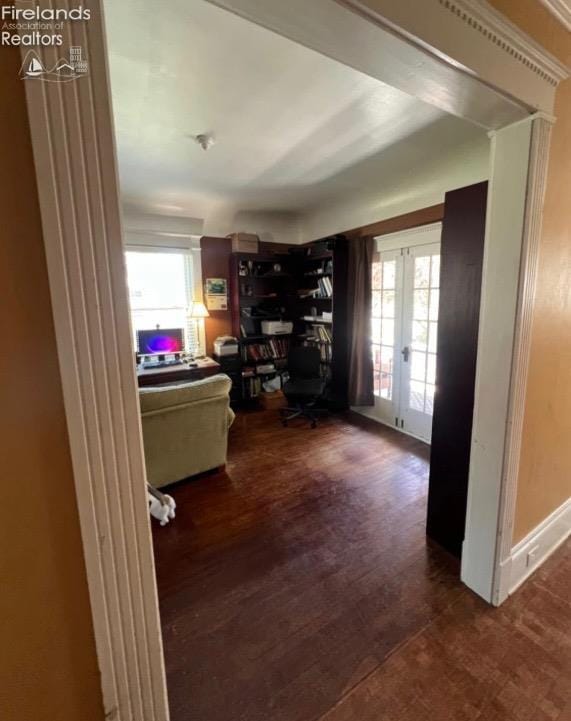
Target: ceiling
point(292, 127)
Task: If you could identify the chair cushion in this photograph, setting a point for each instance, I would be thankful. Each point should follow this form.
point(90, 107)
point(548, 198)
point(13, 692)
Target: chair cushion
point(304, 387)
point(157, 397)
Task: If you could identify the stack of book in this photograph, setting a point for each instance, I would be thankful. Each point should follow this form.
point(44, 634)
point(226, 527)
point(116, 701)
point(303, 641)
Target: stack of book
point(279, 347)
point(272, 349)
point(255, 352)
point(252, 385)
point(325, 289)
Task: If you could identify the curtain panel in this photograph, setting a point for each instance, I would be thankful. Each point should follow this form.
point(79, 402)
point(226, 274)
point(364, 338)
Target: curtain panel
point(361, 252)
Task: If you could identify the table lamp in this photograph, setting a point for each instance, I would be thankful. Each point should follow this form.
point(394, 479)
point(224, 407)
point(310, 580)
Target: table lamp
point(197, 311)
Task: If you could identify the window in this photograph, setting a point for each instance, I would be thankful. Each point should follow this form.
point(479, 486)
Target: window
point(161, 292)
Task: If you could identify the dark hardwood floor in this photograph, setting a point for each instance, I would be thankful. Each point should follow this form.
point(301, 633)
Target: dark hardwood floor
point(479, 663)
point(298, 586)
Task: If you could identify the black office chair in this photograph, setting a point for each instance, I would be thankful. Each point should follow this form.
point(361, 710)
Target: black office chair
point(305, 385)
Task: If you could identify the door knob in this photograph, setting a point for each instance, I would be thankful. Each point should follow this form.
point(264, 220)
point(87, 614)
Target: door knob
point(405, 353)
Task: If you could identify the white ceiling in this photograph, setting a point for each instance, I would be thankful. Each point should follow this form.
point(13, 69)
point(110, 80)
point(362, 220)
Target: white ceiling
point(292, 127)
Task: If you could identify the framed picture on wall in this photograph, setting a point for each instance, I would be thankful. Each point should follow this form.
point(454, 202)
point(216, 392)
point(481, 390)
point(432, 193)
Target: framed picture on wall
point(216, 292)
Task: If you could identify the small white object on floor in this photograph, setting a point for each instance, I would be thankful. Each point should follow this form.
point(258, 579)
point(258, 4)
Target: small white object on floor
point(162, 511)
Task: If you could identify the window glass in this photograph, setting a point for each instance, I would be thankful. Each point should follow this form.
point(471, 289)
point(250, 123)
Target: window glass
point(160, 292)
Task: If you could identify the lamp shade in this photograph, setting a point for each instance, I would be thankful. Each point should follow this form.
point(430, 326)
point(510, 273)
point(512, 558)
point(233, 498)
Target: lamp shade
point(198, 310)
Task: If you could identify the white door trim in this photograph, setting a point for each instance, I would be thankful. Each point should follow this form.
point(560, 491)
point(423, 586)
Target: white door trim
point(72, 137)
point(535, 196)
point(513, 228)
point(422, 235)
point(74, 154)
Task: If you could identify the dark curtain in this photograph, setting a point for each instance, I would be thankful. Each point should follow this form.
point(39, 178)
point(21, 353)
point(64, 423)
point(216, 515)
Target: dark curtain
point(359, 306)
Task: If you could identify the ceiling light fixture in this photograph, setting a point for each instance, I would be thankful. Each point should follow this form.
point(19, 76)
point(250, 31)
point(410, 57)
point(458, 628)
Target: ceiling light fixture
point(205, 140)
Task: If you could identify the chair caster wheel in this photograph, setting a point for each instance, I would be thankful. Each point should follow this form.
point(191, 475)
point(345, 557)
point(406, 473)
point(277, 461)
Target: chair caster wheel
point(313, 424)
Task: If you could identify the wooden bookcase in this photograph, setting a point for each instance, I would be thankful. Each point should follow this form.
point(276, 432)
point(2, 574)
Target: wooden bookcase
point(323, 314)
point(262, 287)
point(310, 279)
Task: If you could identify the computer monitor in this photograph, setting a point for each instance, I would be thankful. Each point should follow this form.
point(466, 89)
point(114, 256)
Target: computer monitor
point(160, 340)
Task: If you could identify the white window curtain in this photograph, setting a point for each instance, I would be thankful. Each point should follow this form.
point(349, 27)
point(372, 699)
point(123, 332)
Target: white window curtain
point(163, 284)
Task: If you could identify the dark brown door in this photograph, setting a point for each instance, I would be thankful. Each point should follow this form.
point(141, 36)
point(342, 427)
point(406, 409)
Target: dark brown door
point(462, 249)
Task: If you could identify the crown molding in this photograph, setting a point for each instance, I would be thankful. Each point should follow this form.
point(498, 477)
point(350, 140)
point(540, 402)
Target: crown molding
point(561, 10)
point(497, 29)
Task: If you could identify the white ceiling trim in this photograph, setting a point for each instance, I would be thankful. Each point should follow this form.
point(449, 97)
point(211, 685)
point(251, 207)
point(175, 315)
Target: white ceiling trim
point(561, 9)
point(136, 221)
point(497, 29)
point(342, 30)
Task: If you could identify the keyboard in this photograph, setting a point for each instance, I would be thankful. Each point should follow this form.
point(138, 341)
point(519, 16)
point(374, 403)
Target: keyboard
point(161, 364)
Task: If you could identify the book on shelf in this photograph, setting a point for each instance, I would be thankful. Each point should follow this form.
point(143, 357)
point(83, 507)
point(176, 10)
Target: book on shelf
point(269, 350)
point(322, 333)
point(324, 289)
point(252, 386)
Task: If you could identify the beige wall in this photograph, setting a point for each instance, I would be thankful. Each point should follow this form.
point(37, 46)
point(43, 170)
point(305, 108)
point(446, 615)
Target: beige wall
point(545, 473)
point(48, 669)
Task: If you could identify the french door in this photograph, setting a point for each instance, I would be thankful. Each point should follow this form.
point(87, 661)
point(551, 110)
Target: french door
point(404, 331)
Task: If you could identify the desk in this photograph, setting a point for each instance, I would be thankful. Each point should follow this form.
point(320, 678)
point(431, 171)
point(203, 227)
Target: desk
point(201, 368)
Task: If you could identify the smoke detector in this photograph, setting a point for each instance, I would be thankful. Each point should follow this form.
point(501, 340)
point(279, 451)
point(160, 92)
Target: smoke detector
point(205, 140)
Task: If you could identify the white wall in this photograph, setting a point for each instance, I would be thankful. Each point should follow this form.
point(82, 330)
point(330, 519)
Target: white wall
point(272, 227)
point(419, 183)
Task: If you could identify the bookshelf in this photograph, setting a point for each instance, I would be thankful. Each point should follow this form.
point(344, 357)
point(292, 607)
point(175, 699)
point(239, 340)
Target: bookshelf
point(262, 357)
point(307, 287)
point(262, 287)
point(322, 310)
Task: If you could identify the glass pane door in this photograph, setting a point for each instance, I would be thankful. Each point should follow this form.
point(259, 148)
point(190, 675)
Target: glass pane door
point(405, 288)
point(420, 327)
point(385, 332)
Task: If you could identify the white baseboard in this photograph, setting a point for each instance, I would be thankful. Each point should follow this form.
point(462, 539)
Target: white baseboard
point(534, 549)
